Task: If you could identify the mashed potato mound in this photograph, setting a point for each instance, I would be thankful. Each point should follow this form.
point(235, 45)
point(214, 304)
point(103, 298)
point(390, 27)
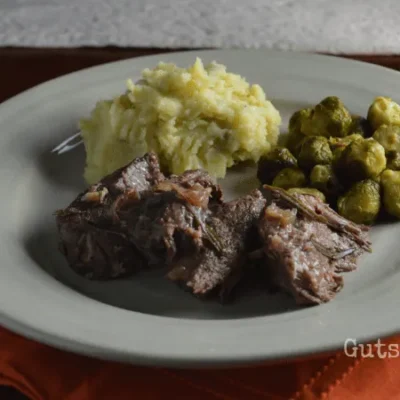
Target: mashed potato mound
point(200, 117)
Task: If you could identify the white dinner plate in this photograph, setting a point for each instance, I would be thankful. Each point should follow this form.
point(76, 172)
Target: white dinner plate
point(147, 319)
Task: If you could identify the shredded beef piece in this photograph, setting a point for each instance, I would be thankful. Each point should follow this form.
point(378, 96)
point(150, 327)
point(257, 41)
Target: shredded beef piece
point(137, 218)
point(307, 250)
point(94, 245)
point(234, 225)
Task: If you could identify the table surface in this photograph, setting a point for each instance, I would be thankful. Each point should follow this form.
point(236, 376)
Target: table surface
point(30, 67)
point(22, 68)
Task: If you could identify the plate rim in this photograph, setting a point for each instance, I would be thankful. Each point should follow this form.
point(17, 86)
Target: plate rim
point(109, 352)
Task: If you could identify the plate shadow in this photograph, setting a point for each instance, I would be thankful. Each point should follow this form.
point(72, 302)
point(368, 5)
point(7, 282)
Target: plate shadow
point(149, 292)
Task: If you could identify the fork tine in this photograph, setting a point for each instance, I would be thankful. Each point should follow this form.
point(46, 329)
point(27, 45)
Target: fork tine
point(63, 144)
point(69, 147)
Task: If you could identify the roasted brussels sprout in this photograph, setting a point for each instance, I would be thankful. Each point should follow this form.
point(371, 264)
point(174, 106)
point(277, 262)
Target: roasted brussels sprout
point(290, 178)
point(361, 159)
point(383, 111)
point(294, 142)
point(309, 191)
point(295, 136)
point(339, 144)
point(388, 136)
point(361, 204)
point(329, 118)
point(390, 182)
point(273, 162)
point(360, 126)
point(323, 178)
point(342, 142)
point(314, 150)
point(297, 119)
point(393, 160)
point(377, 179)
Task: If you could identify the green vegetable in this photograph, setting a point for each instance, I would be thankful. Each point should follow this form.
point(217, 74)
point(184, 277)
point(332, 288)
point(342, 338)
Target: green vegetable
point(295, 136)
point(343, 142)
point(361, 204)
point(329, 118)
point(388, 136)
point(294, 142)
point(290, 178)
point(377, 179)
point(361, 159)
point(297, 119)
point(273, 162)
point(324, 179)
point(383, 111)
point(393, 160)
point(315, 150)
point(360, 126)
point(307, 191)
point(390, 181)
point(339, 144)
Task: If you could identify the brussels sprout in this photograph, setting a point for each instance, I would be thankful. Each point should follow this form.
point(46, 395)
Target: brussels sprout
point(290, 178)
point(294, 142)
point(361, 159)
point(323, 178)
point(295, 136)
point(308, 191)
point(361, 204)
point(388, 136)
point(341, 142)
point(390, 182)
point(377, 179)
point(273, 162)
point(383, 111)
point(297, 120)
point(329, 118)
point(315, 150)
point(393, 160)
point(360, 126)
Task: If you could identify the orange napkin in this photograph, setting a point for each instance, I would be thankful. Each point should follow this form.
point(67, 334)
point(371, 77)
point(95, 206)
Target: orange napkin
point(43, 373)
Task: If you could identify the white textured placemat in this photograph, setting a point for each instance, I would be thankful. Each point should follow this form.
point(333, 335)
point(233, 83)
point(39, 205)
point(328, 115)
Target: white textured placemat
point(351, 26)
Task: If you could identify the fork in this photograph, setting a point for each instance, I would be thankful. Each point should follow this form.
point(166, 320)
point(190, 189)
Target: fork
point(68, 144)
point(76, 140)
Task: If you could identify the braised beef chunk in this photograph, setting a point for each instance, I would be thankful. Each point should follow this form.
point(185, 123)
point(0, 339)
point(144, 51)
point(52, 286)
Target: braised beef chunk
point(308, 245)
point(169, 220)
point(233, 226)
point(96, 252)
point(137, 218)
point(140, 175)
point(93, 242)
point(190, 179)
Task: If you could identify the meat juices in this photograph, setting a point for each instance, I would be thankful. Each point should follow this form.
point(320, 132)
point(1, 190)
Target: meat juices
point(308, 245)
